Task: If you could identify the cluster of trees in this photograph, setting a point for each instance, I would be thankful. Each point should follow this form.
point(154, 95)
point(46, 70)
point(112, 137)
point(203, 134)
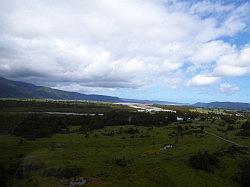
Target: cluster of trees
point(204, 161)
point(43, 125)
point(181, 130)
point(3, 176)
point(132, 131)
point(186, 114)
point(121, 161)
point(139, 118)
point(9, 120)
point(245, 129)
point(228, 119)
point(66, 172)
point(18, 170)
point(244, 175)
point(12, 170)
point(38, 126)
point(128, 118)
point(53, 105)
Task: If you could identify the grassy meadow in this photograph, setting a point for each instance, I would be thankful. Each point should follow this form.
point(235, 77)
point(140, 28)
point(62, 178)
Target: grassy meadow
point(126, 155)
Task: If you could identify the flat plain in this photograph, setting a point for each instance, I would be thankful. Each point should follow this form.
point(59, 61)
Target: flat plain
point(123, 155)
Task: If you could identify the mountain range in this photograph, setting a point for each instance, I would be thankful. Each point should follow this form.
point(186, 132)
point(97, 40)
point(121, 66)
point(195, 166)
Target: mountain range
point(224, 105)
point(17, 89)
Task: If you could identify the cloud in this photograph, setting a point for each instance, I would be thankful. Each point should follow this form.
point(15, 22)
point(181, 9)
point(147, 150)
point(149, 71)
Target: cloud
point(228, 70)
point(120, 44)
point(236, 63)
point(228, 89)
point(202, 80)
point(210, 52)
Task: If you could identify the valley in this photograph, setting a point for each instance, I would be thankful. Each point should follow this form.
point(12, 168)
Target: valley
point(118, 153)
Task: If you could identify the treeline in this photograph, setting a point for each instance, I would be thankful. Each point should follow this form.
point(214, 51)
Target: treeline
point(245, 129)
point(55, 105)
point(43, 125)
point(38, 126)
point(139, 118)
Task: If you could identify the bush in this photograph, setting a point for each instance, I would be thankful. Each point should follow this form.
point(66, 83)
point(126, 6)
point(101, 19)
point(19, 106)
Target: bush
point(228, 119)
point(179, 128)
point(63, 172)
point(244, 176)
point(2, 176)
point(230, 128)
point(232, 151)
point(246, 125)
point(245, 129)
point(131, 131)
point(16, 168)
point(204, 161)
point(121, 161)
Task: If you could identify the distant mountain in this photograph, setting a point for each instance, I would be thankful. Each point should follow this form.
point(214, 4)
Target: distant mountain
point(16, 89)
point(224, 105)
point(152, 102)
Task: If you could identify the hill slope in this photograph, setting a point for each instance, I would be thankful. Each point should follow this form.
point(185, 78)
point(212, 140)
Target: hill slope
point(225, 105)
point(16, 89)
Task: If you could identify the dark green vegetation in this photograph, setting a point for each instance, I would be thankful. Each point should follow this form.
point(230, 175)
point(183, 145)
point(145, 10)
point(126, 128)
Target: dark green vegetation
point(245, 129)
point(244, 176)
point(204, 161)
point(40, 124)
point(117, 146)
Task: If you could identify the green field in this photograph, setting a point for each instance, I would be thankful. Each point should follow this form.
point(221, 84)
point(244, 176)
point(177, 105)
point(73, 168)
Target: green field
point(112, 156)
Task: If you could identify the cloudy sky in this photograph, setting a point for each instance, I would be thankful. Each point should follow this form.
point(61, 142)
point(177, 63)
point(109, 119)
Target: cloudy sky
point(173, 50)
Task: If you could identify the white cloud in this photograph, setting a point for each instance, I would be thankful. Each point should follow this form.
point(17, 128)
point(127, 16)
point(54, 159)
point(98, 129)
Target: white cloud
point(210, 52)
point(228, 89)
point(207, 7)
point(228, 70)
point(202, 80)
point(236, 63)
point(106, 43)
point(75, 87)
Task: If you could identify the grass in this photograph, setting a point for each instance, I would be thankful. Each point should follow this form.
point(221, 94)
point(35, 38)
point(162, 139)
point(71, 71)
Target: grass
point(147, 163)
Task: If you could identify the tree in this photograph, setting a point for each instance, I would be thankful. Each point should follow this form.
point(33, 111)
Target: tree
point(204, 161)
point(2, 176)
point(244, 177)
point(245, 129)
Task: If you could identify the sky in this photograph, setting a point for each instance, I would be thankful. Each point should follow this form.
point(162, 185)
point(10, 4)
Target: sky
point(170, 50)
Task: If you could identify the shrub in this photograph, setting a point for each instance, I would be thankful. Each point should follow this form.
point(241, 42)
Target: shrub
point(230, 127)
point(179, 128)
point(121, 161)
point(131, 131)
point(244, 175)
point(232, 150)
point(16, 169)
point(204, 161)
point(63, 172)
point(2, 175)
point(246, 125)
point(245, 129)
